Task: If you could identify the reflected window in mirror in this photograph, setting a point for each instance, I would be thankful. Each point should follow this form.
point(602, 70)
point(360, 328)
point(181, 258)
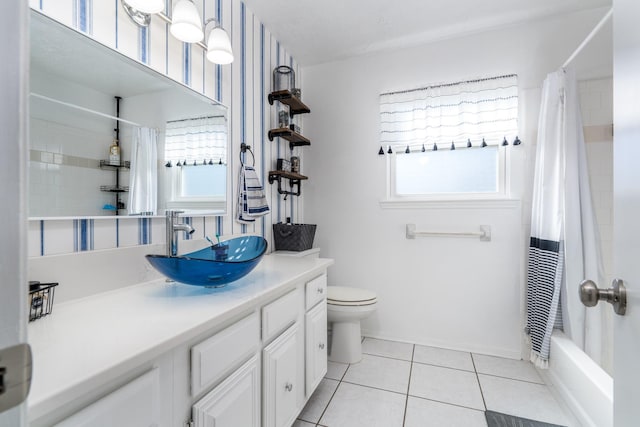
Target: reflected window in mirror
point(196, 155)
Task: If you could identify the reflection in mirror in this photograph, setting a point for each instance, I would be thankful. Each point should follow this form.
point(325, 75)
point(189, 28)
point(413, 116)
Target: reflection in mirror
point(195, 155)
point(74, 81)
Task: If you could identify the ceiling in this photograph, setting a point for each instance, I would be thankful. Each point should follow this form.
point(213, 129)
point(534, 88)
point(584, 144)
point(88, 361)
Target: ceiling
point(322, 31)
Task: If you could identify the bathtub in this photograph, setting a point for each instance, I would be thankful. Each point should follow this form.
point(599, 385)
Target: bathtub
point(583, 385)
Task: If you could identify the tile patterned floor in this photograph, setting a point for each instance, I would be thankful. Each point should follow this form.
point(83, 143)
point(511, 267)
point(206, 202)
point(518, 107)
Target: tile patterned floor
point(405, 385)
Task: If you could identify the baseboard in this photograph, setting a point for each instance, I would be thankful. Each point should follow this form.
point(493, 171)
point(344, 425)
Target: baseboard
point(486, 350)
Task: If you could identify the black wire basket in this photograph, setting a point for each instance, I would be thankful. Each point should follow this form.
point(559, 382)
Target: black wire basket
point(293, 237)
point(40, 299)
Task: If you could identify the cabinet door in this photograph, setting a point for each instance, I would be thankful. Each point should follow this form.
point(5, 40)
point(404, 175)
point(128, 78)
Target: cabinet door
point(235, 402)
point(282, 382)
point(137, 404)
point(316, 346)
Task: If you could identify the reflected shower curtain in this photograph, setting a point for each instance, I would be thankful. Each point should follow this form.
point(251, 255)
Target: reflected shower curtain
point(564, 248)
point(143, 182)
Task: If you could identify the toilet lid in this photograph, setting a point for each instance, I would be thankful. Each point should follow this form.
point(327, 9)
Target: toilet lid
point(342, 295)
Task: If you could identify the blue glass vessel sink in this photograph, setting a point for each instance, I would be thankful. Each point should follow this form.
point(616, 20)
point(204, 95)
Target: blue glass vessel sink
point(213, 266)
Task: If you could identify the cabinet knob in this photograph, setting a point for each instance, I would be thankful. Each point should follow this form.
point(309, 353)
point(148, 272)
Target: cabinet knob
point(321, 346)
point(288, 386)
point(320, 290)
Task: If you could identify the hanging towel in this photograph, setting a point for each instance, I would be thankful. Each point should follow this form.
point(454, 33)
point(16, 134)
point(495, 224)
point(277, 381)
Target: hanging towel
point(143, 177)
point(252, 202)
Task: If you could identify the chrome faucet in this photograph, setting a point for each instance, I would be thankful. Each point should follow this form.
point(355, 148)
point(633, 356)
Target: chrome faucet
point(173, 227)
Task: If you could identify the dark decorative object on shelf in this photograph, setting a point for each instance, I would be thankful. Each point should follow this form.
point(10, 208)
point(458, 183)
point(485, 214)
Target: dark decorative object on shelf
point(517, 141)
point(435, 147)
point(469, 145)
point(484, 143)
point(453, 146)
point(407, 151)
point(505, 142)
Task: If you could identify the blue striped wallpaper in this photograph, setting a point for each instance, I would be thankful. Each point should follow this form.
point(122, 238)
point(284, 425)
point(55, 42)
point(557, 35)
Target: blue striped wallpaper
point(242, 86)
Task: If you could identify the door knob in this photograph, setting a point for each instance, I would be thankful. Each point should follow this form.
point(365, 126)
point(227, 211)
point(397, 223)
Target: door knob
point(616, 295)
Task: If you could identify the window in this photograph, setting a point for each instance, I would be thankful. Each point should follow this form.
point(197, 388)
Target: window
point(448, 139)
point(197, 150)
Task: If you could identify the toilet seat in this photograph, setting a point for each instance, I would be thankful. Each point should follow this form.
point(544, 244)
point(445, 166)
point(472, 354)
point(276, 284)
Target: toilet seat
point(345, 296)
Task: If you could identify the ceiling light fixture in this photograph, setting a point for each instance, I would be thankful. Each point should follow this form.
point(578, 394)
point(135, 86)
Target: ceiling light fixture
point(185, 24)
point(218, 45)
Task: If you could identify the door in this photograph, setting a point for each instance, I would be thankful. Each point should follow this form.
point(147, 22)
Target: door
point(13, 163)
point(235, 402)
point(282, 382)
point(626, 155)
point(316, 346)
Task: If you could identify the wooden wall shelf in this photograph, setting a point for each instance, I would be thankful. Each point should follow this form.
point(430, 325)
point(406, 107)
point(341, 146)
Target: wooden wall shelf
point(294, 138)
point(286, 97)
point(295, 179)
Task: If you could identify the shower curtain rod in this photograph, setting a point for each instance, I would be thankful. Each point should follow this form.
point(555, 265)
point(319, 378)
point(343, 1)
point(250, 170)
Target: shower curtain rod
point(77, 107)
point(586, 41)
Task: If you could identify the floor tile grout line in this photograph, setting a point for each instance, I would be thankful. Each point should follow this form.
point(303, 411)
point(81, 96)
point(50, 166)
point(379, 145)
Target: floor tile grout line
point(510, 378)
point(484, 403)
point(386, 357)
point(447, 367)
point(375, 388)
point(332, 395)
point(446, 403)
point(406, 400)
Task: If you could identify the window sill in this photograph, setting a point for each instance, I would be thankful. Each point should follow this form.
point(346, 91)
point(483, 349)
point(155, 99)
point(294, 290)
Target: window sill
point(497, 203)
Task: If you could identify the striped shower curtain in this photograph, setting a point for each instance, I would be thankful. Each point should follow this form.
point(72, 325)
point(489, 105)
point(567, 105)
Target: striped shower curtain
point(564, 247)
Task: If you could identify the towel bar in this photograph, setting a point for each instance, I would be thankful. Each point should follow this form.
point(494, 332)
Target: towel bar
point(484, 234)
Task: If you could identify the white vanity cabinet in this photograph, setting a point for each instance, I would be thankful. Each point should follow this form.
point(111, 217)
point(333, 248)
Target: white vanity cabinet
point(248, 357)
point(315, 332)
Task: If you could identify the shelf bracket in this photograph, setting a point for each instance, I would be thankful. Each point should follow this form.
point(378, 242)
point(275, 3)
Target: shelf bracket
point(292, 183)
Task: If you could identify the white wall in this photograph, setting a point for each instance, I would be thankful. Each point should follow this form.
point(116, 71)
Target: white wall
point(456, 293)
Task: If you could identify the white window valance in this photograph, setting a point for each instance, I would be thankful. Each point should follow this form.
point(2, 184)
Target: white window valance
point(198, 139)
point(455, 112)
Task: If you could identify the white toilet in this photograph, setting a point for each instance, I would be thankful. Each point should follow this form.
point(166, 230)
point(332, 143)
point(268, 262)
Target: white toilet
point(346, 307)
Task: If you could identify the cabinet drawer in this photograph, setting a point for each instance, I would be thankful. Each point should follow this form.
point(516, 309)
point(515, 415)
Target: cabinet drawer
point(316, 291)
point(221, 353)
point(278, 315)
point(136, 404)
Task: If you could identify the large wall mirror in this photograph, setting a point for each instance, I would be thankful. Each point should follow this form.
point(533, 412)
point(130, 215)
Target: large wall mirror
point(73, 170)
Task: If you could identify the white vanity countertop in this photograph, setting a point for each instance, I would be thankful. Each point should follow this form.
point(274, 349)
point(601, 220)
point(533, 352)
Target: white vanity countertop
point(91, 340)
